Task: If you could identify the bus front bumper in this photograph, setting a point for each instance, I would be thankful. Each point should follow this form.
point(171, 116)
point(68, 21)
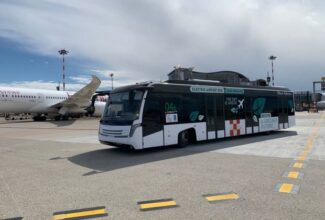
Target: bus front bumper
point(120, 135)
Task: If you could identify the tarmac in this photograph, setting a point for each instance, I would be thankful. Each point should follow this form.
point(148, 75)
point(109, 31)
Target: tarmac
point(58, 170)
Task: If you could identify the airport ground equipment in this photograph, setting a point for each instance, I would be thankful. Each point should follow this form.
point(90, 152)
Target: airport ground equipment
point(304, 100)
point(193, 106)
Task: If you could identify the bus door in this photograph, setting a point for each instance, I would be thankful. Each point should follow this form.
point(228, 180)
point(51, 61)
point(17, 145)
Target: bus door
point(211, 116)
point(249, 117)
point(215, 116)
point(283, 112)
point(152, 123)
point(220, 104)
point(286, 111)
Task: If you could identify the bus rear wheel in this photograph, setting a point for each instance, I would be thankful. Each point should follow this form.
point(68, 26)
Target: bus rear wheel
point(183, 139)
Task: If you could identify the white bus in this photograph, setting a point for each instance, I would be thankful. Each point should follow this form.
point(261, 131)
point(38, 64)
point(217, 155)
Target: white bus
point(180, 112)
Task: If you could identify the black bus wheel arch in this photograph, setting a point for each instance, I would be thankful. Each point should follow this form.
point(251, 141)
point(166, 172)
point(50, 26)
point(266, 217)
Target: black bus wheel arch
point(186, 137)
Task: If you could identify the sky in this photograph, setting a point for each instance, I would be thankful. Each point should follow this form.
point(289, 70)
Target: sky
point(143, 40)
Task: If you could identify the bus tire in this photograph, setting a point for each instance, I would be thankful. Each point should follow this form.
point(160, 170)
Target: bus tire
point(57, 118)
point(183, 139)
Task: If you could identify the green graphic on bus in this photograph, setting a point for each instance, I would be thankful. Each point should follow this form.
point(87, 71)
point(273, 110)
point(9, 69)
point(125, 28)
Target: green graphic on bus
point(258, 106)
point(194, 115)
point(170, 107)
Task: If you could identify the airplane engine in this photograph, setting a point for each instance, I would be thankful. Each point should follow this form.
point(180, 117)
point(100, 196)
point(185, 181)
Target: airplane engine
point(91, 108)
point(97, 105)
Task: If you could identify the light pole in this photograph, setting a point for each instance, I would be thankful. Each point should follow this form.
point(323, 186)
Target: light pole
point(272, 58)
point(111, 75)
point(63, 52)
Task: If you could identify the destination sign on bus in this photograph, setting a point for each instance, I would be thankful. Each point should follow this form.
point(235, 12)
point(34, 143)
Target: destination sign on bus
point(284, 93)
point(207, 89)
point(234, 91)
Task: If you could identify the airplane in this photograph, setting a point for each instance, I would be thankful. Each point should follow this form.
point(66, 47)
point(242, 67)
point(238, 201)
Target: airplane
point(58, 105)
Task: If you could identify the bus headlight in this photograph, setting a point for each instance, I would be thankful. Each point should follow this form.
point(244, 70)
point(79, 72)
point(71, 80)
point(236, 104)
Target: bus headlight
point(133, 128)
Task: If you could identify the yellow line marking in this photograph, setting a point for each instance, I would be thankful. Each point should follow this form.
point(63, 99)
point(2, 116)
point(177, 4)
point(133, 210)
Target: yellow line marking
point(298, 165)
point(157, 205)
point(79, 214)
point(304, 153)
point(222, 197)
point(286, 188)
point(313, 135)
point(290, 188)
point(293, 174)
point(301, 158)
point(308, 147)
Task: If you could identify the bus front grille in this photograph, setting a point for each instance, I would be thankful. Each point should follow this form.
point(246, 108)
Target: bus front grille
point(114, 133)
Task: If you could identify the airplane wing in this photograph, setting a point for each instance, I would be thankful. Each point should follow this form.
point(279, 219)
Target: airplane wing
point(80, 100)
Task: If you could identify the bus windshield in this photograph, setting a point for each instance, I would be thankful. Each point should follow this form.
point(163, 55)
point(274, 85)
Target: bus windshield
point(122, 108)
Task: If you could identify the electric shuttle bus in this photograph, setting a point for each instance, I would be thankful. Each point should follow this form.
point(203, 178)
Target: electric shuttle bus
point(177, 112)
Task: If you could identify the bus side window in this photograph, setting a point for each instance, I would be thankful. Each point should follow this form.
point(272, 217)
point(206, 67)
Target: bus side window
point(171, 107)
point(192, 108)
point(234, 107)
point(271, 106)
point(285, 105)
point(152, 109)
point(290, 103)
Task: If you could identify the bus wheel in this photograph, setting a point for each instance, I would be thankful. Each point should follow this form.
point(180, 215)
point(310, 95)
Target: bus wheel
point(57, 118)
point(183, 139)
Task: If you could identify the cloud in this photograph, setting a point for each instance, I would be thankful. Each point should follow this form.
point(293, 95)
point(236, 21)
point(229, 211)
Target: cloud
point(78, 82)
point(142, 40)
point(39, 84)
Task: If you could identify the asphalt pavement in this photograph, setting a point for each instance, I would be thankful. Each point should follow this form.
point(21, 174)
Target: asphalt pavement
point(58, 170)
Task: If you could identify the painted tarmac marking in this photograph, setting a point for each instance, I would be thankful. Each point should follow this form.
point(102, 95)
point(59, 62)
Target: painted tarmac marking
point(293, 175)
point(304, 154)
point(221, 197)
point(302, 158)
point(310, 142)
point(298, 165)
point(157, 204)
point(287, 188)
point(81, 213)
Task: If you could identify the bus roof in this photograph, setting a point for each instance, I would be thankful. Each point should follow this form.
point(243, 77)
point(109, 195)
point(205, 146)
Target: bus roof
point(147, 85)
point(209, 83)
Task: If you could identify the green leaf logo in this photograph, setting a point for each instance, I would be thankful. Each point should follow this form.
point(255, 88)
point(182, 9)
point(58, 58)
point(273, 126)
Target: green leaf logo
point(258, 106)
point(194, 115)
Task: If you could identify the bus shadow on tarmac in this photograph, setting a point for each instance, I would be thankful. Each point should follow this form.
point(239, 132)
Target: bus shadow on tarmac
point(106, 160)
point(16, 123)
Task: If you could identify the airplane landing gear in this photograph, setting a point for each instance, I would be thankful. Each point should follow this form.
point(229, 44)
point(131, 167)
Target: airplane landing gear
point(39, 118)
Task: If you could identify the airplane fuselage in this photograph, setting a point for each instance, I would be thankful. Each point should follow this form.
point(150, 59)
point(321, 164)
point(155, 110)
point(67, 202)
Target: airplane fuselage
point(23, 100)
point(37, 101)
point(321, 103)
